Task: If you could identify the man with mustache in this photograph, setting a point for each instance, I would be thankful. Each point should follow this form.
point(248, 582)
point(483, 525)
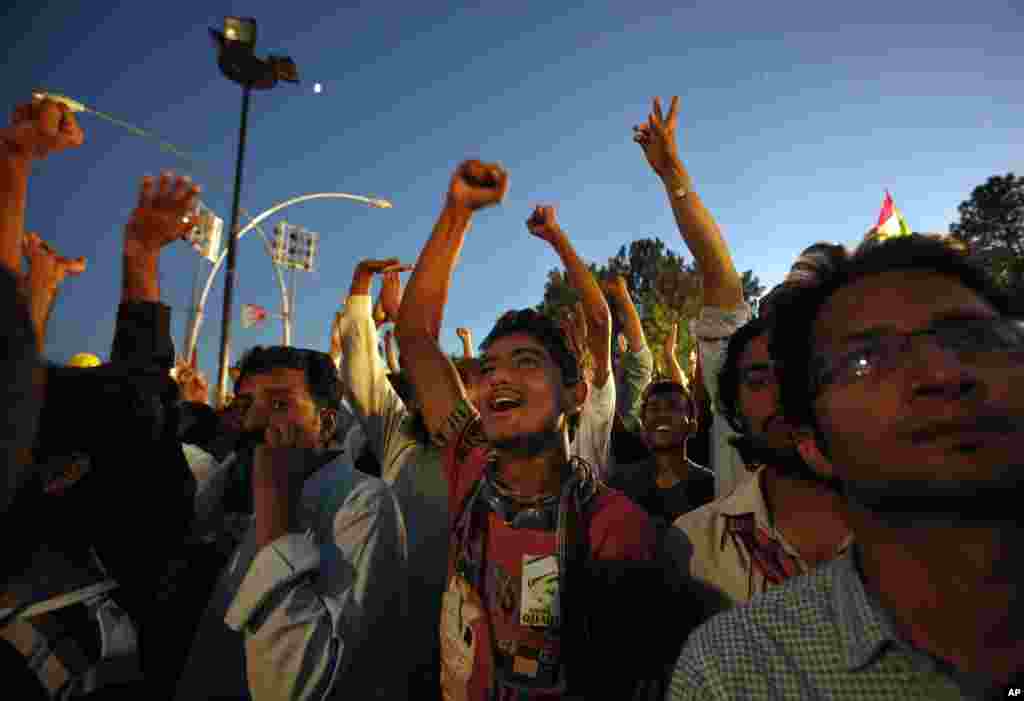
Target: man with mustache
point(905, 363)
point(316, 594)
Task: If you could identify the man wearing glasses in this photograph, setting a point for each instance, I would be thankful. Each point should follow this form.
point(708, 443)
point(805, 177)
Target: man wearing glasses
point(906, 365)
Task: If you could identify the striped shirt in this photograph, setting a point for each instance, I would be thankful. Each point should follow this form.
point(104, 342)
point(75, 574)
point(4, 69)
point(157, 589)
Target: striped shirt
point(819, 636)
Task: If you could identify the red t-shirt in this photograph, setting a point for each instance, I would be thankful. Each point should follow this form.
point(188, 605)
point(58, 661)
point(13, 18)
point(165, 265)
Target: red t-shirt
point(619, 530)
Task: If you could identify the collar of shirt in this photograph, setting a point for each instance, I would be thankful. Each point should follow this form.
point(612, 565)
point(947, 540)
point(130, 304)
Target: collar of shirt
point(748, 498)
point(864, 627)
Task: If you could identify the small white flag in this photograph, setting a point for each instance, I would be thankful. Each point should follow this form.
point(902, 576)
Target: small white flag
point(253, 315)
point(206, 234)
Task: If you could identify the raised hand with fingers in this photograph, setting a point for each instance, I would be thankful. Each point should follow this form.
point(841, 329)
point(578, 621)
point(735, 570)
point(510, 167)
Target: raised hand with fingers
point(163, 213)
point(476, 185)
point(193, 383)
point(46, 271)
point(657, 138)
point(391, 291)
point(38, 129)
point(544, 225)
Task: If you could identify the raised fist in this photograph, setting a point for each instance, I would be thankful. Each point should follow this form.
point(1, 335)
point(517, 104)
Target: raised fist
point(477, 185)
point(462, 333)
point(543, 224)
point(391, 292)
point(163, 214)
point(38, 129)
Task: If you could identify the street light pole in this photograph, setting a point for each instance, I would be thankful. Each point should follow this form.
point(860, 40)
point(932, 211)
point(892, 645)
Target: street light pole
point(238, 62)
point(229, 274)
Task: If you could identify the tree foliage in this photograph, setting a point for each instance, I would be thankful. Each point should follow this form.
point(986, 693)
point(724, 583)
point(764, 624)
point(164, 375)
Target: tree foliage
point(665, 288)
point(991, 224)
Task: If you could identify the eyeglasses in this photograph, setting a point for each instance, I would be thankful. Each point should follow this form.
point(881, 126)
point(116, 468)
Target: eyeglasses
point(971, 339)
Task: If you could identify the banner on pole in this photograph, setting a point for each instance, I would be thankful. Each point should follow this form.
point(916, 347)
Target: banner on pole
point(294, 247)
point(253, 315)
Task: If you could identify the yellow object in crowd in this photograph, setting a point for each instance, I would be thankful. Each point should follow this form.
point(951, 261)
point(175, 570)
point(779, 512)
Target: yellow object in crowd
point(84, 360)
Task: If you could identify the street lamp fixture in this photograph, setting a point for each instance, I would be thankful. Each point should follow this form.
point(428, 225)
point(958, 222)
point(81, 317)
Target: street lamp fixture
point(237, 60)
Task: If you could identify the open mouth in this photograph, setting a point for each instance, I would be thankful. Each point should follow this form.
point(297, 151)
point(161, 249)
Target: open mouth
point(504, 402)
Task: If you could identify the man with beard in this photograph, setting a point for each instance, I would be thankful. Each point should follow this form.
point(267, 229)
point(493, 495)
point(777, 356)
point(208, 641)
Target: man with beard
point(905, 362)
point(668, 484)
point(315, 596)
point(783, 521)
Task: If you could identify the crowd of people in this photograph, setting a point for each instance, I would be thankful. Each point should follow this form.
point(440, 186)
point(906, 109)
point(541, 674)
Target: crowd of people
point(524, 521)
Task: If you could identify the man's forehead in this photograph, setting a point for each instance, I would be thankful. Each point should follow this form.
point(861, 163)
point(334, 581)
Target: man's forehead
point(511, 345)
point(278, 380)
point(895, 301)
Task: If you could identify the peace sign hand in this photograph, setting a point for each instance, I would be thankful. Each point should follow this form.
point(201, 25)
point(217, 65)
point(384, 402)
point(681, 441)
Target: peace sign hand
point(657, 138)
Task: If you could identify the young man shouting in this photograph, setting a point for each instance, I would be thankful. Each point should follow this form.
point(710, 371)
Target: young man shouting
point(530, 528)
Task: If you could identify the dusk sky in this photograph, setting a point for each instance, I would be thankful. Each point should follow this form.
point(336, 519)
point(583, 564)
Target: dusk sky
point(795, 118)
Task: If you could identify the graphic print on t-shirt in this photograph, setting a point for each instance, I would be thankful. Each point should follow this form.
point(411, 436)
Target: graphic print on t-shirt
point(539, 607)
point(459, 610)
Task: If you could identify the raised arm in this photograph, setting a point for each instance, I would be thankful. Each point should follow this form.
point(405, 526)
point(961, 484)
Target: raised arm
point(466, 336)
point(672, 367)
point(161, 216)
point(389, 351)
point(369, 392)
point(636, 362)
point(474, 186)
point(46, 272)
point(617, 293)
point(657, 138)
point(389, 302)
point(37, 129)
point(543, 224)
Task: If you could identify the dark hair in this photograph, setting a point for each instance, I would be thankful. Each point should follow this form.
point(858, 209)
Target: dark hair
point(319, 368)
point(545, 332)
point(729, 375)
point(792, 343)
point(660, 387)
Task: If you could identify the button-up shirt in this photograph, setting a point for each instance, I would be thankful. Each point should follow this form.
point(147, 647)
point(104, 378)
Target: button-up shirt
point(713, 329)
point(820, 636)
point(311, 615)
point(732, 546)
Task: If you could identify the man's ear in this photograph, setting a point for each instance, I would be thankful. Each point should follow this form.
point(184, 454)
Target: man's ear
point(807, 446)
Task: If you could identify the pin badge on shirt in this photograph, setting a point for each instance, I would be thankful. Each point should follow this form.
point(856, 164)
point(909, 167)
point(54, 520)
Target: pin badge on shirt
point(539, 603)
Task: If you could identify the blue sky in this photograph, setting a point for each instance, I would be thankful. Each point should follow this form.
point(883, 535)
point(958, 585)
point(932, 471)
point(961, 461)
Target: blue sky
point(794, 119)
